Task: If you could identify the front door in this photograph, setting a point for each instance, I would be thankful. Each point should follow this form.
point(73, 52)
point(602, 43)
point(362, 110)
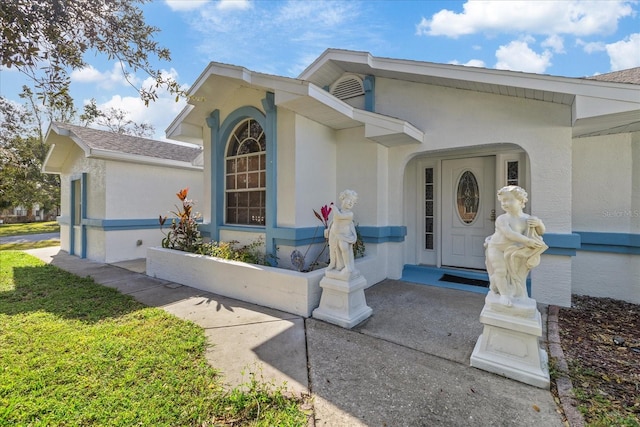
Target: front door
point(468, 200)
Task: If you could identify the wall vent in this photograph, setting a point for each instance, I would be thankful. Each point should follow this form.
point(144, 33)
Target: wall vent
point(347, 87)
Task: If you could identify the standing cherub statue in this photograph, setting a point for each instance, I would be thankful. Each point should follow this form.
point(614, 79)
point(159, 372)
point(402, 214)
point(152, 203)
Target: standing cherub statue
point(515, 247)
point(342, 235)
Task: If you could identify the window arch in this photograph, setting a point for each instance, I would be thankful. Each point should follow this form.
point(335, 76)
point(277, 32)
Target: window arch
point(245, 174)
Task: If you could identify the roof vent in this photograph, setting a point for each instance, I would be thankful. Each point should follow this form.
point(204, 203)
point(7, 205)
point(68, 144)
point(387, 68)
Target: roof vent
point(347, 87)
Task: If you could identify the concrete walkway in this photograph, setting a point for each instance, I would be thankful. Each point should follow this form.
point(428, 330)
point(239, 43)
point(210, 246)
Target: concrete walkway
point(407, 365)
point(26, 238)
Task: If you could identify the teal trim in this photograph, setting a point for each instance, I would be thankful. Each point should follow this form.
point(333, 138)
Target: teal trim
point(83, 211)
point(618, 243)
point(125, 224)
point(72, 231)
point(369, 83)
point(83, 215)
point(389, 233)
point(220, 134)
point(217, 173)
point(309, 235)
point(562, 244)
point(425, 275)
point(270, 129)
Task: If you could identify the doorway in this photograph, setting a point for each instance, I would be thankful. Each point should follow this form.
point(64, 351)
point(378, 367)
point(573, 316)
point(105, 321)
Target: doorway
point(468, 210)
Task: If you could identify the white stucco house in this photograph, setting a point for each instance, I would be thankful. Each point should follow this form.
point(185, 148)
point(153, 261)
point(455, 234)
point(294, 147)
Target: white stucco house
point(114, 187)
point(425, 146)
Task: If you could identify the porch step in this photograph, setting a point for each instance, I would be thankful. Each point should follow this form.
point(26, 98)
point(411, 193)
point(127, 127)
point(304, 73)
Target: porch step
point(426, 275)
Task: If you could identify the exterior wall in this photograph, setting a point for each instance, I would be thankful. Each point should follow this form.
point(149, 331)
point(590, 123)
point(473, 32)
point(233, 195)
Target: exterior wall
point(606, 209)
point(609, 275)
point(313, 161)
point(73, 168)
point(602, 183)
point(136, 191)
point(466, 123)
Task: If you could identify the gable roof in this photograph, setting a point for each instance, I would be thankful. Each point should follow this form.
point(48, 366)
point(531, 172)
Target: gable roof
point(220, 81)
point(113, 146)
point(631, 75)
point(598, 107)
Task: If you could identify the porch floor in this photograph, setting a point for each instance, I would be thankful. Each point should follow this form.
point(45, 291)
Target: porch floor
point(429, 275)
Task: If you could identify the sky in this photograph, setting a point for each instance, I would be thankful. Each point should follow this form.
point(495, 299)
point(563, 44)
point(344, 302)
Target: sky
point(571, 38)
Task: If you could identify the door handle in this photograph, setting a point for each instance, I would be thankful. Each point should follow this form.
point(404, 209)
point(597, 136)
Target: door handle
point(492, 217)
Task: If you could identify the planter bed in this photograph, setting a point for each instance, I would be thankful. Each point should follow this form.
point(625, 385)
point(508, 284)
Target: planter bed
point(286, 290)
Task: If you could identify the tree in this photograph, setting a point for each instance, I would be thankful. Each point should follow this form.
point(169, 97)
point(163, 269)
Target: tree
point(22, 154)
point(114, 119)
point(44, 39)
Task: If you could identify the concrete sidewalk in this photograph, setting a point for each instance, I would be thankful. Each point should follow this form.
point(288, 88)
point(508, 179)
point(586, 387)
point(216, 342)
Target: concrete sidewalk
point(407, 365)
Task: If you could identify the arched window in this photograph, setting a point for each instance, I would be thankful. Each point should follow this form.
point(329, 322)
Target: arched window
point(245, 174)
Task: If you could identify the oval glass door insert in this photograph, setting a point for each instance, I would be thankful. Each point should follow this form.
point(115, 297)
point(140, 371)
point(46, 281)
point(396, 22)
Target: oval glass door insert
point(468, 197)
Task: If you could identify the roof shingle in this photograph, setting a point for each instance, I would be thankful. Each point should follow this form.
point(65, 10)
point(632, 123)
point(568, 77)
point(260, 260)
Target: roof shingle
point(111, 141)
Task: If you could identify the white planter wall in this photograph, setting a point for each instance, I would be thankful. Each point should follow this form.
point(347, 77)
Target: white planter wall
point(286, 290)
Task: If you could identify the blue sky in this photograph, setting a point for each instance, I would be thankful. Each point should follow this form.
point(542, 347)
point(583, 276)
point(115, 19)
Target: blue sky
point(563, 37)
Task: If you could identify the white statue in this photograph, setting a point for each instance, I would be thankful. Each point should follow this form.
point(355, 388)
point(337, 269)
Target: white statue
point(515, 247)
point(342, 235)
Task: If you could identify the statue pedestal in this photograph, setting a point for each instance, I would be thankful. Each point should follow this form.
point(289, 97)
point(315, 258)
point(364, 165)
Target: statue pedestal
point(342, 302)
point(509, 346)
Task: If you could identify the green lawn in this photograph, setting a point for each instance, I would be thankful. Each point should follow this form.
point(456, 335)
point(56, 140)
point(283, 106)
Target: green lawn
point(75, 353)
point(28, 228)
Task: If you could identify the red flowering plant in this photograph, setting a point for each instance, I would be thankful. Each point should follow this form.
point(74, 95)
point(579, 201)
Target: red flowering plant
point(323, 216)
point(183, 233)
point(298, 260)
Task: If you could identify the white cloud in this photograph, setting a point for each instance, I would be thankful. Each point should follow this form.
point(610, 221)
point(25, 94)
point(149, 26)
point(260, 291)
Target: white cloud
point(471, 63)
point(233, 4)
point(105, 79)
point(185, 5)
point(518, 56)
point(475, 63)
point(555, 42)
point(591, 47)
point(159, 113)
point(625, 53)
point(536, 17)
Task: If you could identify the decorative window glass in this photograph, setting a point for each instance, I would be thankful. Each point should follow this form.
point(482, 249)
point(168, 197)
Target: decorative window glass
point(468, 197)
point(512, 173)
point(429, 208)
point(246, 175)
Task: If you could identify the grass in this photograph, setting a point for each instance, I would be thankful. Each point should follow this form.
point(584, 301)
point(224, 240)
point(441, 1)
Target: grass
point(7, 230)
point(73, 352)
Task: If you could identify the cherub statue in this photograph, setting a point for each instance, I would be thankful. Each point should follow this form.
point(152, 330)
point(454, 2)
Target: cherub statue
point(342, 235)
point(515, 247)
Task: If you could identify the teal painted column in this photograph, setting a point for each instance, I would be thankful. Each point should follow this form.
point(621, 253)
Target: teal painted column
point(369, 84)
point(271, 217)
point(217, 175)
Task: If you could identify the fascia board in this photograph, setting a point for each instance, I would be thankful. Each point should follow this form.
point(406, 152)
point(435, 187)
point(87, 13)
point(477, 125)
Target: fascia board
point(565, 85)
point(46, 168)
point(173, 126)
point(132, 158)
